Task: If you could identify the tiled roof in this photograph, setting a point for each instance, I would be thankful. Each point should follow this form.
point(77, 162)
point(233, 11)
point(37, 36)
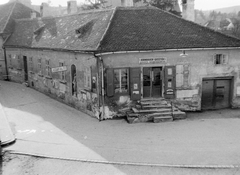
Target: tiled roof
point(153, 29)
point(60, 32)
point(122, 29)
point(10, 11)
point(5, 11)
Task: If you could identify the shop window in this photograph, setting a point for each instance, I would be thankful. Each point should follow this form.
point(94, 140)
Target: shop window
point(48, 68)
point(62, 73)
point(220, 59)
point(121, 80)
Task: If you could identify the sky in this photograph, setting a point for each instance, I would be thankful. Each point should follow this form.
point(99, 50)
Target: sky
point(199, 4)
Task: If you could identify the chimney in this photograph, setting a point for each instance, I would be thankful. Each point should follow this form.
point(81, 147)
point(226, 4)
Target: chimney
point(33, 14)
point(188, 12)
point(127, 3)
point(43, 9)
point(72, 7)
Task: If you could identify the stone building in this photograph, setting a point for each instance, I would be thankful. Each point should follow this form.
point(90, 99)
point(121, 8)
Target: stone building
point(8, 13)
point(103, 61)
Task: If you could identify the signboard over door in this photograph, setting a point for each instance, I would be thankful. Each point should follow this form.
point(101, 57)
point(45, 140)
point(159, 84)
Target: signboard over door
point(59, 69)
point(160, 60)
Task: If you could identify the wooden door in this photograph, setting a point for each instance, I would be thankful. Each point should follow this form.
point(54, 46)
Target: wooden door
point(222, 94)
point(156, 82)
point(147, 82)
point(25, 68)
point(152, 82)
point(169, 82)
point(135, 83)
point(207, 94)
point(216, 93)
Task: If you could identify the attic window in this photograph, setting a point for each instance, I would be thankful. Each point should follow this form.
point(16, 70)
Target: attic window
point(39, 30)
point(85, 29)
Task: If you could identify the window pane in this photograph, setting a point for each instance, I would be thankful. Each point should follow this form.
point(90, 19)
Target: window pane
point(124, 80)
point(120, 80)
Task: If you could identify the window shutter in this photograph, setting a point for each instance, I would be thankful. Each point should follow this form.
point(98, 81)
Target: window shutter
point(224, 59)
point(179, 75)
point(135, 83)
point(186, 75)
point(110, 85)
point(170, 82)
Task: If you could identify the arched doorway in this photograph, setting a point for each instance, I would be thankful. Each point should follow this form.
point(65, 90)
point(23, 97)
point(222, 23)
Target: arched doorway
point(74, 80)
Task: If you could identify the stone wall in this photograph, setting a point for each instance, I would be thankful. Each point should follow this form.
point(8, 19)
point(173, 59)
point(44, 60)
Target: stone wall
point(200, 65)
point(86, 96)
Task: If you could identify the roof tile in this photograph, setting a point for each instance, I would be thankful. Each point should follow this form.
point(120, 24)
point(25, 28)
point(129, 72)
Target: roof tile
point(149, 28)
point(122, 29)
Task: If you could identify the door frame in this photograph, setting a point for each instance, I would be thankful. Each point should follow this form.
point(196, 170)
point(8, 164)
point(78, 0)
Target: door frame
point(231, 88)
point(25, 68)
point(162, 78)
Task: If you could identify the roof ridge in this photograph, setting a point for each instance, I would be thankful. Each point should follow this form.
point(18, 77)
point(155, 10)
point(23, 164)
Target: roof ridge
point(9, 15)
point(63, 16)
point(108, 25)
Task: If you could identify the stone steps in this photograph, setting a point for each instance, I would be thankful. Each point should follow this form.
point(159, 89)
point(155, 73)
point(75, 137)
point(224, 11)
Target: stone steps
point(154, 110)
point(162, 119)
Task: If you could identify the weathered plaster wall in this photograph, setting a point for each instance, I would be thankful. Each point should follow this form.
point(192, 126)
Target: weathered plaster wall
point(86, 98)
point(201, 65)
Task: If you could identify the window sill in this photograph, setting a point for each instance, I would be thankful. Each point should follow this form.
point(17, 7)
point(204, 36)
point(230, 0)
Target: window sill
point(222, 64)
point(48, 77)
point(40, 75)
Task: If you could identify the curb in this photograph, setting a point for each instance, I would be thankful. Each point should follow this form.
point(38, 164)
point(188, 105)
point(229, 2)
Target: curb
point(130, 163)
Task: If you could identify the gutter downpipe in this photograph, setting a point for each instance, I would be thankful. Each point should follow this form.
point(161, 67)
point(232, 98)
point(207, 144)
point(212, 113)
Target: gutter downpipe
point(100, 75)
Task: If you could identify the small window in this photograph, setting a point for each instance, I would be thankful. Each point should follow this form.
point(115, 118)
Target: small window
point(62, 73)
point(121, 80)
point(48, 69)
point(40, 66)
point(31, 63)
point(220, 59)
point(19, 62)
point(10, 60)
point(87, 78)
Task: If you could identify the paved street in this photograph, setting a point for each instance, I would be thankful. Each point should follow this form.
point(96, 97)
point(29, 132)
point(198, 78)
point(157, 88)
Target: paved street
point(48, 128)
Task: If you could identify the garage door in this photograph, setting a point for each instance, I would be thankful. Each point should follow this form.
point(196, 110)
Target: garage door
point(216, 93)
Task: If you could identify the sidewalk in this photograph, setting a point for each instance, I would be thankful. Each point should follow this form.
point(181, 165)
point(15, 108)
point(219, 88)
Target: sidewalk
point(6, 135)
